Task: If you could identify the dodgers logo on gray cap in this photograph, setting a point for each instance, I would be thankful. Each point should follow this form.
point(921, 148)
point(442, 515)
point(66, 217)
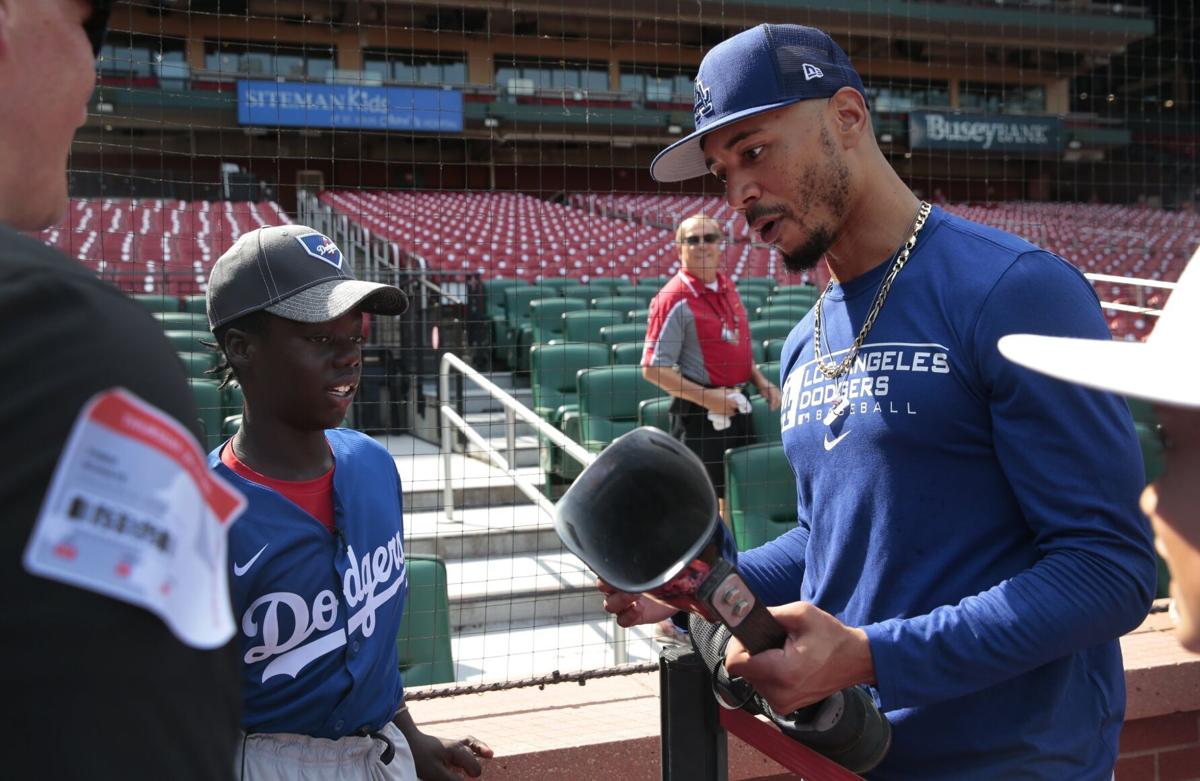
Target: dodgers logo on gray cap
point(294, 272)
point(758, 70)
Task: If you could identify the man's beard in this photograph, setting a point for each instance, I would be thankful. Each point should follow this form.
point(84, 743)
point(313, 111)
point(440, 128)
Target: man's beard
point(809, 254)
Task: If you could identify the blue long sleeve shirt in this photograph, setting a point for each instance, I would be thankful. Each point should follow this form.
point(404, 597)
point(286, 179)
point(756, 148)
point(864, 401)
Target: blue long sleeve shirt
point(978, 520)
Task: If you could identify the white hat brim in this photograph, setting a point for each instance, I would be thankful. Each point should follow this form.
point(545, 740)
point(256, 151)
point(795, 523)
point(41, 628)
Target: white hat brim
point(1144, 370)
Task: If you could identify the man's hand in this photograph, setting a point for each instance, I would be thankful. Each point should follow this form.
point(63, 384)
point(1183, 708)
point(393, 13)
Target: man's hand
point(439, 759)
point(717, 400)
point(821, 656)
point(772, 395)
point(633, 609)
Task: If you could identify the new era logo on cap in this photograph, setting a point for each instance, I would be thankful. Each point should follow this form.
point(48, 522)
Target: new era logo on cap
point(812, 72)
point(321, 247)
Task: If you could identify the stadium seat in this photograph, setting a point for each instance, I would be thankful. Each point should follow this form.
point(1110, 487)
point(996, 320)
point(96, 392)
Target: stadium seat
point(752, 299)
point(773, 349)
point(423, 642)
point(766, 420)
point(654, 283)
point(207, 397)
point(797, 295)
point(231, 399)
point(656, 413)
point(197, 364)
point(762, 330)
point(627, 353)
point(188, 341)
point(519, 337)
point(616, 303)
point(608, 403)
point(784, 313)
point(769, 283)
point(182, 321)
point(758, 353)
point(639, 316)
point(770, 370)
point(495, 306)
point(622, 332)
point(604, 287)
point(545, 316)
point(195, 304)
point(1143, 413)
point(553, 371)
point(157, 302)
point(585, 325)
point(1152, 461)
point(760, 491)
point(557, 284)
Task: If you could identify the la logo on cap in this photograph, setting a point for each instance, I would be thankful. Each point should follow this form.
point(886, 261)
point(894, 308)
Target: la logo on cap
point(704, 105)
point(812, 72)
point(321, 247)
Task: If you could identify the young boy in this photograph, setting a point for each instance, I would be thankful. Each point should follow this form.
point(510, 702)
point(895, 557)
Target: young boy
point(318, 574)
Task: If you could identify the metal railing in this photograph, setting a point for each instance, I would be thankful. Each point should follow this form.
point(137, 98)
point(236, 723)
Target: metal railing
point(1138, 284)
point(513, 409)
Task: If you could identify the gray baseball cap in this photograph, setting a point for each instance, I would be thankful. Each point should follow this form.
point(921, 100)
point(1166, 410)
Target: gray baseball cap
point(296, 273)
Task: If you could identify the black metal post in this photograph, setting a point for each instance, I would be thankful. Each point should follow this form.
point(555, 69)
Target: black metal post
point(693, 741)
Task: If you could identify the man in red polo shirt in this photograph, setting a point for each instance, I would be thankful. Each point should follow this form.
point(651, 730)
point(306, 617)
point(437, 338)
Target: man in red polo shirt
point(698, 350)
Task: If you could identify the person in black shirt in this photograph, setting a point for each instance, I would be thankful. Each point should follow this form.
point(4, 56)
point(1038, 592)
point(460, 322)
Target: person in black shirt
point(94, 686)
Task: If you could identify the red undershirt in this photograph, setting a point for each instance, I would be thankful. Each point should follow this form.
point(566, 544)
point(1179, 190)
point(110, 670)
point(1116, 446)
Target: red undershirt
point(314, 496)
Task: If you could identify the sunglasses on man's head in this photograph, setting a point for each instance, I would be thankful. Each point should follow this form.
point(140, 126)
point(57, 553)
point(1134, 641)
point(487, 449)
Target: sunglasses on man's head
point(707, 238)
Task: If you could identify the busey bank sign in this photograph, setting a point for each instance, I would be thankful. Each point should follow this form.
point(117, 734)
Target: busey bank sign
point(280, 104)
point(988, 132)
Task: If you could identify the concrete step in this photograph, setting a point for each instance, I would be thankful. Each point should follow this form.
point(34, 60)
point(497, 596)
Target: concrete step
point(475, 482)
point(548, 587)
point(481, 532)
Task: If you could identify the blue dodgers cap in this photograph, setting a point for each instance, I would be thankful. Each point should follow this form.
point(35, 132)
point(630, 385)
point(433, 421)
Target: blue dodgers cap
point(761, 69)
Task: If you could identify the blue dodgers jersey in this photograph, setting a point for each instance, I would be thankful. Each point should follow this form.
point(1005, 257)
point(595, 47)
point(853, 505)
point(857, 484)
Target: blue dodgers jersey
point(979, 521)
point(318, 613)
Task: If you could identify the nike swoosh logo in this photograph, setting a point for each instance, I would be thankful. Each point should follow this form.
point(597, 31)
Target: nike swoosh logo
point(830, 444)
point(239, 571)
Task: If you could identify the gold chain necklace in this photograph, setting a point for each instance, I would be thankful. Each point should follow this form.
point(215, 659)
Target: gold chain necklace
point(835, 370)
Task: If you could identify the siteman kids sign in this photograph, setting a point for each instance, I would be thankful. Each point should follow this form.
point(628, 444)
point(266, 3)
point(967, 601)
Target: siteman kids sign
point(283, 104)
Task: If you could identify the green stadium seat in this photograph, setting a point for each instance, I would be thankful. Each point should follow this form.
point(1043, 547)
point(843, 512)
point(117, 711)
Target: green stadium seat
point(553, 371)
point(545, 316)
point(1142, 411)
point(762, 330)
point(760, 491)
point(797, 295)
point(639, 316)
point(608, 403)
point(654, 283)
point(766, 420)
point(627, 353)
point(770, 370)
point(773, 349)
point(604, 286)
point(182, 321)
point(627, 289)
point(784, 313)
point(770, 283)
point(188, 341)
point(758, 353)
point(196, 304)
point(752, 299)
point(622, 332)
point(1152, 461)
point(564, 467)
point(557, 284)
point(617, 303)
point(585, 325)
point(493, 293)
point(656, 412)
point(519, 337)
point(231, 399)
point(423, 642)
point(230, 425)
point(197, 364)
point(207, 397)
point(157, 302)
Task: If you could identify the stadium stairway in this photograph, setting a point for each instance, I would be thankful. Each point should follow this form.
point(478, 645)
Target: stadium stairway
point(520, 604)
